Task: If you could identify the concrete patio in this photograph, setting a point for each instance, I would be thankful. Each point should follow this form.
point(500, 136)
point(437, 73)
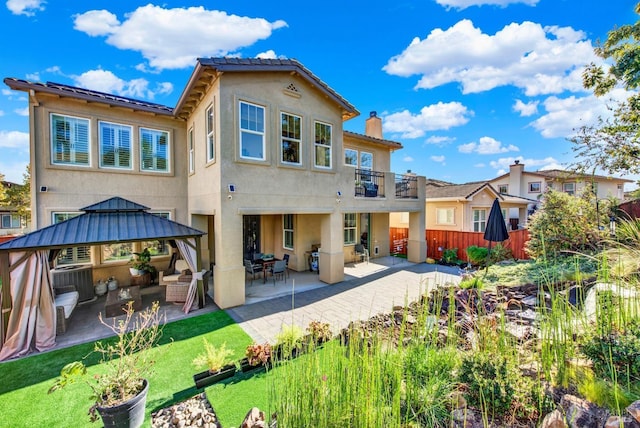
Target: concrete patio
point(367, 289)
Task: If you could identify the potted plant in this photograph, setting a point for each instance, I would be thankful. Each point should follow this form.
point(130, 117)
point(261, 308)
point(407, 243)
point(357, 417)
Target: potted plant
point(120, 392)
point(320, 332)
point(289, 342)
point(217, 361)
point(141, 263)
point(256, 355)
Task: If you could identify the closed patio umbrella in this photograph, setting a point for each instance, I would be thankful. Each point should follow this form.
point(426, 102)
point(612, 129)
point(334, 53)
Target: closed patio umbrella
point(496, 229)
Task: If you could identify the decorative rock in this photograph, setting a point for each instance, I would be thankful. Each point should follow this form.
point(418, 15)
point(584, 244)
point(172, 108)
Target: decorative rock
point(634, 410)
point(466, 418)
point(254, 419)
point(554, 419)
point(621, 421)
point(194, 412)
point(581, 413)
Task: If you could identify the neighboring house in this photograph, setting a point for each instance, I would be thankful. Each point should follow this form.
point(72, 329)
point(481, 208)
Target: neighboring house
point(254, 154)
point(532, 185)
point(465, 207)
point(11, 223)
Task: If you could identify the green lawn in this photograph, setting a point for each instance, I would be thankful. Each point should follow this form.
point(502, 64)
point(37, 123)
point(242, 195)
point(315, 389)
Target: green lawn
point(24, 401)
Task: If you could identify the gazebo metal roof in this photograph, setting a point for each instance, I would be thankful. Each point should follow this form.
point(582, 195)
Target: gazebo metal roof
point(112, 220)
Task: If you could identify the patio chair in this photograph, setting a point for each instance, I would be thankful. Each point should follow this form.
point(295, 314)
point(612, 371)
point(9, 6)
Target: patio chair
point(286, 259)
point(362, 252)
point(66, 300)
point(279, 269)
point(252, 269)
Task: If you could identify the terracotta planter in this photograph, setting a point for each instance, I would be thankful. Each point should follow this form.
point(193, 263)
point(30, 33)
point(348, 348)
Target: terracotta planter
point(129, 414)
point(207, 378)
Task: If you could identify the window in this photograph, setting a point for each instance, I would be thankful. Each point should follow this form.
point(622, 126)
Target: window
point(211, 143)
point(349, 229)
point(73, 254)
point(366, 164)
point(445, 216)
point(192, 155)
point(157, 247)
point(534, 187)
point(503, 188)
point(154, 150)
point(291, 137)
point(351, 157)
point(10, 221)
point(322, 145)
point(479, 220)
point(287, 227)
point(251, 131)
point(115, 145)
point(121, 251)
point(569, 188)
point(69, 140)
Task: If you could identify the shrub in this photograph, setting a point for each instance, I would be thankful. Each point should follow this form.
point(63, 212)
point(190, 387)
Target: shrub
point(616, 356)
point(472, 283)
point(319, 331)
point(289, 339)
point(450, 256)
point(213, 358)
point(500, 253)
point(258, 354)
point(477, 255)
point(489, 383)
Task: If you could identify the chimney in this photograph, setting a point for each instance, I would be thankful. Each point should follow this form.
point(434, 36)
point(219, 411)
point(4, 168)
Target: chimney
point(373, 126)
point(515, 179)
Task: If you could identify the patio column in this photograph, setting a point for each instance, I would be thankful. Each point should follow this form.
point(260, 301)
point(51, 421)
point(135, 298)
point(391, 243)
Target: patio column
point(228, 273)
point(416, 243)
point(331, 248)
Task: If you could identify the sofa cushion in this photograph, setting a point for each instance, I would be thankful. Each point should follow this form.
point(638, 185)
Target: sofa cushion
point(68, 301)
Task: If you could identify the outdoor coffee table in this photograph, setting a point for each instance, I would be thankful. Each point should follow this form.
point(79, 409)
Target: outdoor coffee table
point(115, 306)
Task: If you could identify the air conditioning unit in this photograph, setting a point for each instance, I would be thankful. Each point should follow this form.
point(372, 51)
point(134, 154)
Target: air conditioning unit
point(81, 276)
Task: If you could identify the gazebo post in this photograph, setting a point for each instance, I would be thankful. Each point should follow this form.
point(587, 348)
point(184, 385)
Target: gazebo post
point(198, 269)
point(5, 296)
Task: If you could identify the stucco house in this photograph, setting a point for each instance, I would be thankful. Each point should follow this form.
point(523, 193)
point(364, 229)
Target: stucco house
point(254, 154)
point(533, 184)
point(11, 222)
point(465, 207)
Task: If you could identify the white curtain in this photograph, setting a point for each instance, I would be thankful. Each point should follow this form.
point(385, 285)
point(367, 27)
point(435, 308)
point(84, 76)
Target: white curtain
point(32, 322)
point(188, 253)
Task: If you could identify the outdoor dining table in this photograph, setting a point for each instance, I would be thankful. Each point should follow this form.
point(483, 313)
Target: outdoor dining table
point(266, 264)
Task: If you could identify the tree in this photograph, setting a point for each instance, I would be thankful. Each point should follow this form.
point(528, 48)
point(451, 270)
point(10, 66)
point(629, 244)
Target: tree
point(19, 197)
point(2, 189)
point(613, 144)
point(565, 223)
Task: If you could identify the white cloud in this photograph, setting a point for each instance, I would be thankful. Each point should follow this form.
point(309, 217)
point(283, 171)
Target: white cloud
point(25, 7)
point(487, 146)
point(7, 92)
point(502, 164)
point(480, 165)
point(106, 81)
point(463, 4)
point(539, 60)
point(408, 159)
point(34, 77)
point(174, 38)
point(439, 140)
point(22, 111)
point(14, 140)
point(270, 54)
point(1, 112)
point(565, 115)
point(434, 117)
point(439, 159)
point(526, 109)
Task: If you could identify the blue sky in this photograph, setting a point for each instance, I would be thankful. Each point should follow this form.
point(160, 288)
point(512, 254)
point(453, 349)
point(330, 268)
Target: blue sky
point(467, 86)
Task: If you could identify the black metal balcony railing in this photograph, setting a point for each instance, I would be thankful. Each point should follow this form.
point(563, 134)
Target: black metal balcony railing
point(369, 184)
point(406, 186)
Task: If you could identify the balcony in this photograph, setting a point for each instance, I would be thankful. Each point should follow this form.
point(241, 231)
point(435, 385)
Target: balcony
point(369, 184)
point(406, 186)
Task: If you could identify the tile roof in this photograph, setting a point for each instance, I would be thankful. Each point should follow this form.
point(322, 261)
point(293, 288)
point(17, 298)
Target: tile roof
point(112, 220)
point(458, 190)
point(394, 145)
point(88, 95)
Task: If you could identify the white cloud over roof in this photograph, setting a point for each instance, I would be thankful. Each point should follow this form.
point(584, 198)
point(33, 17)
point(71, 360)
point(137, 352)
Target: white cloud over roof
point(174, 38)
point(537, 59)
point(25, 7)
point(106, 81)
point(487, 146)
point(14, 140)
point(433, 117)
point(463, 4)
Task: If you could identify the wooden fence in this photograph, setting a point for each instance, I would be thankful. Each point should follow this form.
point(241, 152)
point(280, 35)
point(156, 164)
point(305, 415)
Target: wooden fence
point(440, 240)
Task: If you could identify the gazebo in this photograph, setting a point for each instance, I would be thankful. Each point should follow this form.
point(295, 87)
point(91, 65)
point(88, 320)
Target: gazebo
point(27, 298)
